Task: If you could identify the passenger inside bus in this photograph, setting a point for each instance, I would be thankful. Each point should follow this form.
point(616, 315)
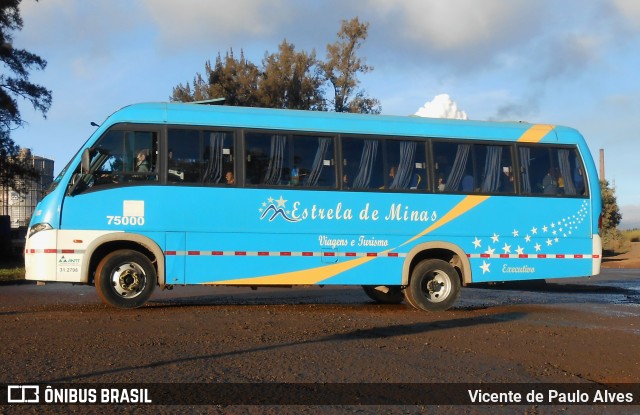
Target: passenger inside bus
point(142, 161)
point(507, 181)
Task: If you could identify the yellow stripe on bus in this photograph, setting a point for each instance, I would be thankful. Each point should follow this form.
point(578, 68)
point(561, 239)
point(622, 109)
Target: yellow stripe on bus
point(461, 208)
point(536, 133)
point(304, 277)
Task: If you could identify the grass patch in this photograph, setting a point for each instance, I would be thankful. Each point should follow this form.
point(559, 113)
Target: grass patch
point(614, 243)
point(633, 235)
point(11, 271)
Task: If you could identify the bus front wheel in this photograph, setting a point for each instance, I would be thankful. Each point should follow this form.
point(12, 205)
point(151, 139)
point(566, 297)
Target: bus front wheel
point(391, 294)
point(434, 285)
point(125, 279)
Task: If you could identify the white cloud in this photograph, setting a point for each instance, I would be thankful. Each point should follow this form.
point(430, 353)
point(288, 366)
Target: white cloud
point(194, 22)
point(442, 106)
point(459, 24)
point(630, 11)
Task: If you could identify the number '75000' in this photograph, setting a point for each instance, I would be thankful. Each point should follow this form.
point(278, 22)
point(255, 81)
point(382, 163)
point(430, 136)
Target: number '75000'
point(125, 220)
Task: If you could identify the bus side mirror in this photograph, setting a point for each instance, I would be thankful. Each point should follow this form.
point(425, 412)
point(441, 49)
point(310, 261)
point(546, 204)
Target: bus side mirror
point(85, 162)
point(76, 180)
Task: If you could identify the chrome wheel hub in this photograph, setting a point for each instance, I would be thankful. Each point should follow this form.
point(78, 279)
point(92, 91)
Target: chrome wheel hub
point(128, 280)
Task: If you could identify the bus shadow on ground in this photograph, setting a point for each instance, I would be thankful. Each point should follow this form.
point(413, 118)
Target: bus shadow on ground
point(543, 286)
point(309, 303)
point(321, 297)
point(378, 332)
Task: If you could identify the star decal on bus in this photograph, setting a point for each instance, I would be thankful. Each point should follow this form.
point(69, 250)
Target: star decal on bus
point(556, 230)
point(274, 208)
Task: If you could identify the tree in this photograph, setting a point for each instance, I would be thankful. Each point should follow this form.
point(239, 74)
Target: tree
point(236, 80)
point(612, 238)
point(343, 67)
point(611, 216)
point(288, 78)
point(14, 87)
point(291, 80)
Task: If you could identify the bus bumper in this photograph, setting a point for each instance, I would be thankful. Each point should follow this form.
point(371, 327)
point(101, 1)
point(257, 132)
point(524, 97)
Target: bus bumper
point(597, 254)
point(40, 256)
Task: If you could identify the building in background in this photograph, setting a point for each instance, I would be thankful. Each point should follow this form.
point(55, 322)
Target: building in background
point(19, 206)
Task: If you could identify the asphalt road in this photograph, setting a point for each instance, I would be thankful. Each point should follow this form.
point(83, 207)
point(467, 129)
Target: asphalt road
point(571, 331)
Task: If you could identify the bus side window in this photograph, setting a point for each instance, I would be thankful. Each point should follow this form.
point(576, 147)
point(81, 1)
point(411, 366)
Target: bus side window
point(551, 171)
point(570, 178)
point(363, 163)
point(407, 165)
point(217, 164)
point(578, 173)
point(267, 159)
point(534, 166)
point(493, 166)
point(202, 157)
point(453, 167)
point(313, 164)
point(184, 161)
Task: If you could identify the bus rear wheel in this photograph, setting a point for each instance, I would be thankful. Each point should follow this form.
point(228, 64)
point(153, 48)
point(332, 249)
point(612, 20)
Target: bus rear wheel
point(125, 279)
point(434, 285)
point(384, 294)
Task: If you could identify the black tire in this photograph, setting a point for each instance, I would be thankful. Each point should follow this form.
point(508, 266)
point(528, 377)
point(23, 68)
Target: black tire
point(393, 294)
point(434, 285)
point(125, 279)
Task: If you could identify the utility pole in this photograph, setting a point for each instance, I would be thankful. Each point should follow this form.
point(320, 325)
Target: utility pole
point(602, 164)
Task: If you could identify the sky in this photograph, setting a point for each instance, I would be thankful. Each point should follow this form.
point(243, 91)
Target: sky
point(570, 62)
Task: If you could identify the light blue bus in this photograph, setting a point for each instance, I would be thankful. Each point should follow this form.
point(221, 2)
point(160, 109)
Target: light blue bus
point(409, 208)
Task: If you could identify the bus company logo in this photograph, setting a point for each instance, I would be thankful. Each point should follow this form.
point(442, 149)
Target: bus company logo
point(273, 209)
point(23, 394)
point(68, 261)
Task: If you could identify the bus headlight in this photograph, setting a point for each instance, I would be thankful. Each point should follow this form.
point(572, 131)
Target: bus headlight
point(37, 228)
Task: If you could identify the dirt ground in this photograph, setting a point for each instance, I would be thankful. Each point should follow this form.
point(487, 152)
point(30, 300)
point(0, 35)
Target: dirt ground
point(629, 260)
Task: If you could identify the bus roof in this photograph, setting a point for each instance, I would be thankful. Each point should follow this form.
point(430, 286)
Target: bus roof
point(329, 122)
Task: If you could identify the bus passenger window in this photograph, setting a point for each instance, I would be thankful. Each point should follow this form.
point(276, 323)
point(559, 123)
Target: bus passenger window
point(538, 172)
point(280, 159)
point(313, 164)
point(203, 157)
point(363, 163)
point(217, 158)
point(578, 173)
point(570, 173)
point(551, 171)
point(473, 168)
point(267, 159)
point(408, 165)
point(493, 166)
point(453, 167)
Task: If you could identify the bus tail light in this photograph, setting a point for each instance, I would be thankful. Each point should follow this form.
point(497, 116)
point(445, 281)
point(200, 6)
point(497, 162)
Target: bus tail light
point(600, 224)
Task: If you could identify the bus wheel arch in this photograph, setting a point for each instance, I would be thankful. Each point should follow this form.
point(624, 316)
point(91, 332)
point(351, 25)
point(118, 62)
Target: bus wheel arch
point(109, 243)
point(433, 274)
point(444, 251)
